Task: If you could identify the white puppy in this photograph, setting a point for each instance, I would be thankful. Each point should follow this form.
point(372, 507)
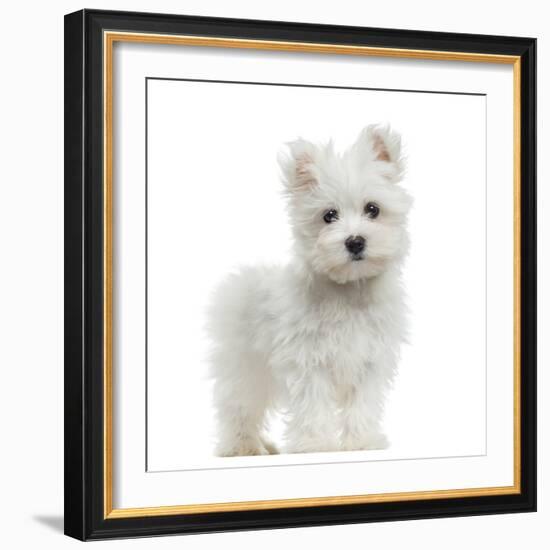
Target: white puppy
point(319, 338)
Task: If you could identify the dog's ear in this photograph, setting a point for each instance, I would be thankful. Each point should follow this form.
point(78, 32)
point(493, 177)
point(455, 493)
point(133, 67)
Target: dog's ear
point(298, 165)
point(382, 144)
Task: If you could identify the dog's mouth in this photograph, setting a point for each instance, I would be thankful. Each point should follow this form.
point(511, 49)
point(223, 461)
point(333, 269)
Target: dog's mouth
point(357, 257)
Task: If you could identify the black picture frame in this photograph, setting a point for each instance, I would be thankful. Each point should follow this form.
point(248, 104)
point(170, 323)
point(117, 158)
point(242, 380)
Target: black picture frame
point(84, 276)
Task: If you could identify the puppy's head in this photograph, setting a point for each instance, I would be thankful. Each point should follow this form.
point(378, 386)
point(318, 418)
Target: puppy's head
point(347, 211)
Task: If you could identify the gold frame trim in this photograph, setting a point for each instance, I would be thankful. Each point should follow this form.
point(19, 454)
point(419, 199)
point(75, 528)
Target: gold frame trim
point(109, 38)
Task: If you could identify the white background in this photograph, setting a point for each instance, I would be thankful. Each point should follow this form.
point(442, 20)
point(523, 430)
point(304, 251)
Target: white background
point(31, 290)
point(215, 203)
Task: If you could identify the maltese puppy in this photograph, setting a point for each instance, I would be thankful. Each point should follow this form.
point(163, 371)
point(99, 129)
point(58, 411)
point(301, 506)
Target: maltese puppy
point(319, 338)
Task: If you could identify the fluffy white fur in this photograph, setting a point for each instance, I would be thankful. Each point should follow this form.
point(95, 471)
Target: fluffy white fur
point(319, 338)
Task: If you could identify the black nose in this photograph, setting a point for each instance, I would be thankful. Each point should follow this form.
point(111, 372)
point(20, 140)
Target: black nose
point(355, 245)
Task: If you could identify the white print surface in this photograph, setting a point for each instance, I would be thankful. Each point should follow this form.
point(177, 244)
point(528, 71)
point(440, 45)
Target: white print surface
point(214, 203)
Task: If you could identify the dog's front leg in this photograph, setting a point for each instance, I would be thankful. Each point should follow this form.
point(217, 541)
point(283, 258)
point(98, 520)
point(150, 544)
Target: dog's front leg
point(312, 425)
point(362, 410)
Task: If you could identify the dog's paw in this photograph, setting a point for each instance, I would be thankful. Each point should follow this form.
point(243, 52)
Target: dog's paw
point(269, 446)
point(370, 442)
point(243, 447)
point(312, 445)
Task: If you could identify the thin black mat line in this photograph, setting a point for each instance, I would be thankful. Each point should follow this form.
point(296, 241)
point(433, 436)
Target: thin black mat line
point(332, 463)
point(146, 275)
point(323, 86)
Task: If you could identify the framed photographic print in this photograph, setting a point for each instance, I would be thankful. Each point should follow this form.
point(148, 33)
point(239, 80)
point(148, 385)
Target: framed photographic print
point(300, 274)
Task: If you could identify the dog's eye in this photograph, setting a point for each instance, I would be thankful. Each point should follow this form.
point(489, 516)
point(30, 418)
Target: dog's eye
point(372, 210)
point(330, 215)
